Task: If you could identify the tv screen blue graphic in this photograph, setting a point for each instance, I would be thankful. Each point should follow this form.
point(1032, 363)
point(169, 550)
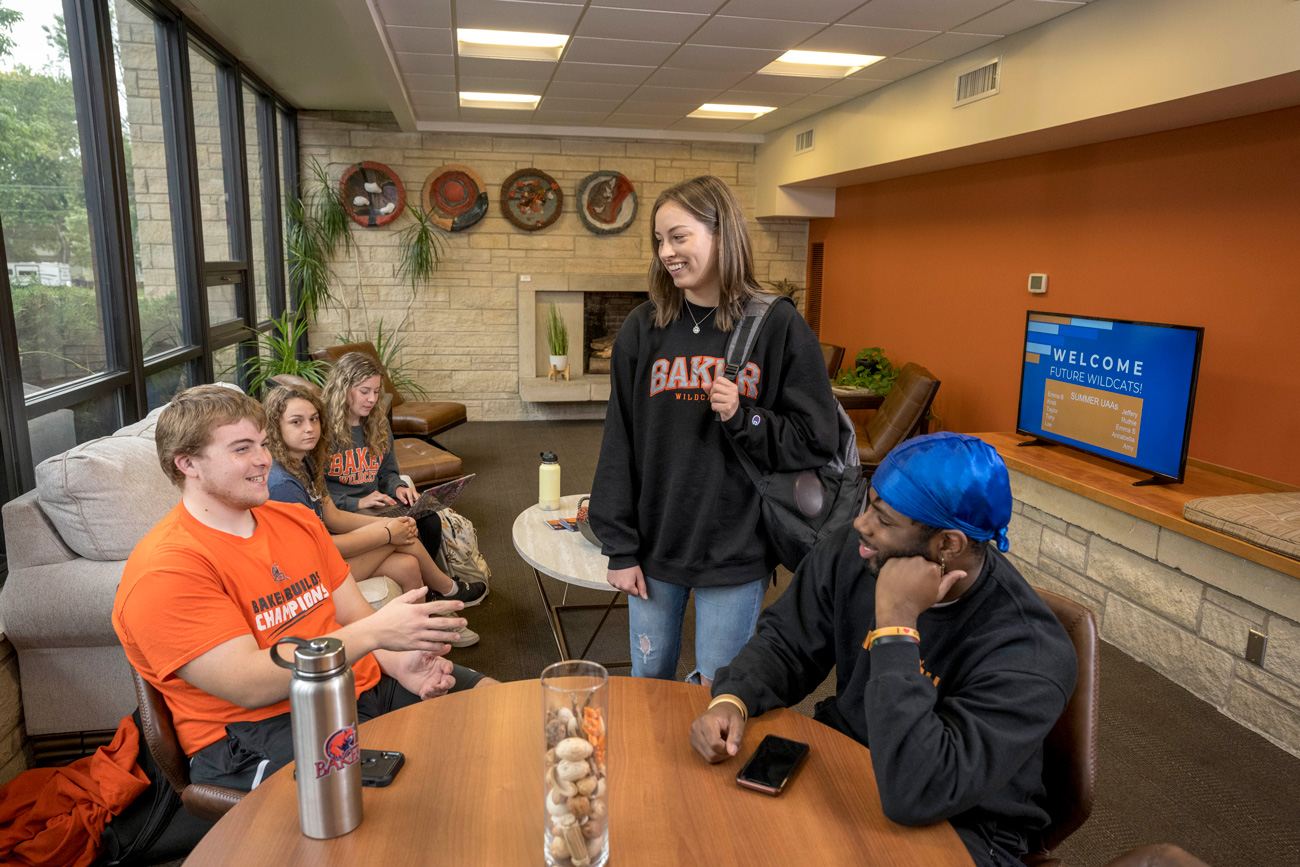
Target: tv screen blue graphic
point(1118, 389)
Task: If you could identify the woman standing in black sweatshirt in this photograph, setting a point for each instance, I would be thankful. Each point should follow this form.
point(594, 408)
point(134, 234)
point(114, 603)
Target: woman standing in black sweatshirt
point(674, 509)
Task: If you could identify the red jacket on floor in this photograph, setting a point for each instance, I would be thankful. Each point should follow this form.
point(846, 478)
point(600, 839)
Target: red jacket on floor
point(54, 816)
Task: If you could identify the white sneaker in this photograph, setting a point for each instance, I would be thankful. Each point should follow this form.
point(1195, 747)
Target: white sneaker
point(468, 637)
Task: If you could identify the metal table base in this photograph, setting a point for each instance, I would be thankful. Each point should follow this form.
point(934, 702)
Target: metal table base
point(557, 626)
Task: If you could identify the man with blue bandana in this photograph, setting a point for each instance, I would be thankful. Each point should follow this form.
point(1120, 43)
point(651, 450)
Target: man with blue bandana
point(948, 664)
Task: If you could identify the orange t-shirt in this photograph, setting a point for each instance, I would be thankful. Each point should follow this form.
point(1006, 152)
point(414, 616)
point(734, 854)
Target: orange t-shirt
point(188, 588)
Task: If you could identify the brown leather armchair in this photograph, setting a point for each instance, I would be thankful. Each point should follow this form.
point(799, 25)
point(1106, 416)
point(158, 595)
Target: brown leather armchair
point(1157, 855)
point(834, 356)
point(1070, 753)
point(423, 419)
point(207, 802)
point(900, 416)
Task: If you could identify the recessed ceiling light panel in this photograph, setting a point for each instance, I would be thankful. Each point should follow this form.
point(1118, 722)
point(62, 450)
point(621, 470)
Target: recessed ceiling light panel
point(731, 112)
point(518, 101)
point(819, 64)
point(510, 44)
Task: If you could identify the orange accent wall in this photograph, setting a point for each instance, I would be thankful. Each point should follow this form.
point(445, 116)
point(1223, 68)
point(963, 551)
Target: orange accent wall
point(1197, 226)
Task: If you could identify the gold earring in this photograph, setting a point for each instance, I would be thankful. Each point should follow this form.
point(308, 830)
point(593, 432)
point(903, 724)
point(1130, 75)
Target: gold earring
point(943, 565)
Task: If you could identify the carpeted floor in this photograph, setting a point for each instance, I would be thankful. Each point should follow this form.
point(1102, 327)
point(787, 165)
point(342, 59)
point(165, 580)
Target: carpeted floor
point(1172, 769)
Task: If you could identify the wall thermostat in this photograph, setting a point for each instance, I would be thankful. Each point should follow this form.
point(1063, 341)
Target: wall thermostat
point(1038, 284)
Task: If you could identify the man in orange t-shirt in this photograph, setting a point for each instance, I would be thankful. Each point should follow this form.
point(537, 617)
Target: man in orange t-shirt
point(226, 574)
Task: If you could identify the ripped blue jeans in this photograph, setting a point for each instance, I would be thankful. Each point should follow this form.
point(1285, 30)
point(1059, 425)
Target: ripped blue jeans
point(724, 621)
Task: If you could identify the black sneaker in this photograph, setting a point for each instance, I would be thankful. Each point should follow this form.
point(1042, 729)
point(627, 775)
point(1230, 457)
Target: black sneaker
point(469, 592)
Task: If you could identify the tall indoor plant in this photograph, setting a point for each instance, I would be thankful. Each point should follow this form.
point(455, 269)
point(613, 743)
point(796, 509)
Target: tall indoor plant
point(557, 338)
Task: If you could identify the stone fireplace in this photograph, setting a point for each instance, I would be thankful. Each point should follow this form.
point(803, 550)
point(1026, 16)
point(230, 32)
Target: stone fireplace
point(592, 306)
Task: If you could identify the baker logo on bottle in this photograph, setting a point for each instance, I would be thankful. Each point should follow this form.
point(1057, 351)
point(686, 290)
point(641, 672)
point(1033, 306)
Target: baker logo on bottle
point(340, 751)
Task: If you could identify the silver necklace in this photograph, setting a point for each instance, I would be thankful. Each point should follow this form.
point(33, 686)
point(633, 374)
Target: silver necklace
point(698, 322)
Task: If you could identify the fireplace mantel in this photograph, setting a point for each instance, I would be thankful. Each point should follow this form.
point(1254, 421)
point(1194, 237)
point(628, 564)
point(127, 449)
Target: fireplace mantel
point(566, 290)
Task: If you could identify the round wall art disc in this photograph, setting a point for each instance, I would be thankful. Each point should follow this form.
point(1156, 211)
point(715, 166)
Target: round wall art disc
point(454, 196)
point(606, 202)
point(531, 199)
point(372, 193)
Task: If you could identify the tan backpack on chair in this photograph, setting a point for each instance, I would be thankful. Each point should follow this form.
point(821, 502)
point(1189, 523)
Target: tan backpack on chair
point(460, 545)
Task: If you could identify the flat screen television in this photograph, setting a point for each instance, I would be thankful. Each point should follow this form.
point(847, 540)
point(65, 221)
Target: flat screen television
point(1115, 388)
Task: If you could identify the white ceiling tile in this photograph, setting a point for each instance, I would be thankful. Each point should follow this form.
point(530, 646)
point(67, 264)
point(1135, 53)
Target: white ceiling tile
point(514, 15)
point(919, 14)
point(496, 115)
point(1019, 15)
point(616, 51)
point(946, 46)
point(694, 78)
point(569, 118)
point(440, 99)
point(604, 23)
point(775, 120)
point(663, 109)
point(556, 103)
point(436, 115)
point(754, 32)
point(847, 88)
point(783, 84)
point(606, 72)
point(751, 97)
point(420, 40)
point(705, 6)
point(821, 11)
point(636, 121)
point(416, 13)
point(673, 94)
point(486, 84)
point(715, 57)
point(589, 90)
point(430, 82)
point(706, 124)
point(815, 102)
point(427, 64)
point(865, 40)
point(489, 67)
point(893, 69)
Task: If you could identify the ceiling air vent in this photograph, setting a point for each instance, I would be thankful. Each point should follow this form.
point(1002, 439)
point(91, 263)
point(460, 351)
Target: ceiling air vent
point(978, 83)
point(803, 142)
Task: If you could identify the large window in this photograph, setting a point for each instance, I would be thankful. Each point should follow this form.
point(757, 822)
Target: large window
point(143, 171)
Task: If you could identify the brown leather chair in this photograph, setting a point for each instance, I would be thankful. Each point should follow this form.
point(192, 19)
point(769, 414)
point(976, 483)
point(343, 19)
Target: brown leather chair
point(900, 416)
point(424, 419)
point(1070, 752)
point(1157, 855)
point(834, 356)
point(209, 803)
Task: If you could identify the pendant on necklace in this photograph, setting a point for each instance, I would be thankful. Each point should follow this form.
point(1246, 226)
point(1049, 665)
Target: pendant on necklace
point(696, 329)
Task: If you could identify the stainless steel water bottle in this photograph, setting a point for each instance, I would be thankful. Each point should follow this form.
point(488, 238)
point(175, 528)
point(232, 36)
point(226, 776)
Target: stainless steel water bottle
point(323, 713)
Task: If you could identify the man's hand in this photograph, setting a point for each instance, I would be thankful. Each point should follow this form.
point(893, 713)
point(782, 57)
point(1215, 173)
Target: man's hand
point(716, 733)
point(724, 397)
point(909, 585)
point(629, 580)
point(403, 531)
point(406, 623)
point(375, 499)
point(425, 674)
point(407, 495)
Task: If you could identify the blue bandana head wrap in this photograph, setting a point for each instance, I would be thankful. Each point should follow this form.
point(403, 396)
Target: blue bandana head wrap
point(950, 481)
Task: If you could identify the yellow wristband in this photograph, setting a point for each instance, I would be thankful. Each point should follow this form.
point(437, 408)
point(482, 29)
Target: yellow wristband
point(890, 630)
point(731, 699)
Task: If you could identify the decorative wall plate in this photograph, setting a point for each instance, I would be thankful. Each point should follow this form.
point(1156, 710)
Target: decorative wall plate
point(454, 197)
point(531, 199)
point(372, 193)
point(606, 202)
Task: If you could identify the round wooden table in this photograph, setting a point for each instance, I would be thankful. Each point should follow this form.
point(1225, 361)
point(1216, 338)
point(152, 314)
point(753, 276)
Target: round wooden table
point(471, 794)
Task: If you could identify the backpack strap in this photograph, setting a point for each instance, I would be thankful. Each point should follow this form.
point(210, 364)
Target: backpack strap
point(745, 335)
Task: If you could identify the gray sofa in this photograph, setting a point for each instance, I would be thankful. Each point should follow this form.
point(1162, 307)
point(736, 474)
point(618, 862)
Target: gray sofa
point(67, 543)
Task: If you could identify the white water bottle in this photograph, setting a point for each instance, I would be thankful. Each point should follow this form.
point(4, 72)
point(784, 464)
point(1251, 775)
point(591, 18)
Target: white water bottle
point(548, 482)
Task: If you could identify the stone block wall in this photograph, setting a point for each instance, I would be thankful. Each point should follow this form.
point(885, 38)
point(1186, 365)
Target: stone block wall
point(461, 330)
point(1180, 606)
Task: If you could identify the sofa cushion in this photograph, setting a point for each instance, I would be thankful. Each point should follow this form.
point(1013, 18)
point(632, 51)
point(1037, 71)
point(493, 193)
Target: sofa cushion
point(104, 495)
point(1271, 521)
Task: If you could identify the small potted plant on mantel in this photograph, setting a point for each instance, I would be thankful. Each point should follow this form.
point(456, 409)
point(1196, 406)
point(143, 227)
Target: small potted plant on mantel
point(557, 337)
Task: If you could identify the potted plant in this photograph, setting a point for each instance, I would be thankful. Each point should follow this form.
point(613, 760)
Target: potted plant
point(557, 337)
point(871, 371)
point(277, 353)
point(789, 289)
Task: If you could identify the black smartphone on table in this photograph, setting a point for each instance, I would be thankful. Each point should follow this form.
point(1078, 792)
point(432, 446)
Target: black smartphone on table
point(773, 765)
point(379, 767)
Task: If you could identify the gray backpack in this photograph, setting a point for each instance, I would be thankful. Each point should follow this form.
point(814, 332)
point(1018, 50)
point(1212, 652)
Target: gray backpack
point(799, 508)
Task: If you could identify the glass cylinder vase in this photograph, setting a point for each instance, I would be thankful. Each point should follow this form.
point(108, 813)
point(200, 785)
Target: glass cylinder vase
point(575, 719)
